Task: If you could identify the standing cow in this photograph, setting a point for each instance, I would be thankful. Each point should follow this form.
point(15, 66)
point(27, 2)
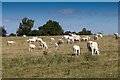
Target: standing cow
point(93, 47)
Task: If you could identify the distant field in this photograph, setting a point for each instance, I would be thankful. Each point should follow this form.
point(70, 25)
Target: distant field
point(17, 62)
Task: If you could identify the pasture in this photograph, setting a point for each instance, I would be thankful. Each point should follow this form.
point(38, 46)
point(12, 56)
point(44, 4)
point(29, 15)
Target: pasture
point(18, 62)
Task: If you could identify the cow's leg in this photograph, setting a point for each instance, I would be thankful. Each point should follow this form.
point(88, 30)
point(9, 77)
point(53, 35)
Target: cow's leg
point(92, 51)
point(75, 52)
point(98, 52)
point(29, 50)
point(78, 52)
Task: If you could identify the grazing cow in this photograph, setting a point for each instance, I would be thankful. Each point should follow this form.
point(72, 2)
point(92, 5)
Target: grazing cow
point(10, 42)
point(65, 37)
point(39, 40)
point(70, 34)
point(96, 38)
point(41, 45)
point(117, 36)
point(77, 39)
point(93, 47)
point(35, 38)
point(71, 39)
point(31, 46)
point(45, 45)
point(99, 35)
point(52, 39)
point(24, 35)
point(88, 37)
point(76, 49)
point(84, 39)
point(56, 45)
point(74, 35)
point(31, 40)
point(60, 41)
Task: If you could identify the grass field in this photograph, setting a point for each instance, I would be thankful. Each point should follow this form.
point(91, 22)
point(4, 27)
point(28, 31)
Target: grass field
point(17, 62)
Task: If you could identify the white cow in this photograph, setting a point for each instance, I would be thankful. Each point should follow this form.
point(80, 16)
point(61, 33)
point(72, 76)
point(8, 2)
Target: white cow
point(117, 35)
point(77, 39)
point(52, 39)
point(96, 37)
point(60, 41)
point(93, 47)
point(71, 39)
point(76, 49)
point(74, 35)
point(10, 42)
point(24, 35)
point(39, 40)
point(84, 39)
point(99, 35)
point(35, 38)
point(56, 45)
point(68, 41)
point(31, 40)
point(45, 45)
point(88, 37)
point(41, 45)
point(31, 46)
point(65, 37)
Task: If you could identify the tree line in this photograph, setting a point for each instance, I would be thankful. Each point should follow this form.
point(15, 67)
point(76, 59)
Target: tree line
point(51, 28)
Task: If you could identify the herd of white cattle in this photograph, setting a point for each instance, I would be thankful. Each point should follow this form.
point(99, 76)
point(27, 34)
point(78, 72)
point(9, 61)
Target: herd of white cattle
point(71, 38)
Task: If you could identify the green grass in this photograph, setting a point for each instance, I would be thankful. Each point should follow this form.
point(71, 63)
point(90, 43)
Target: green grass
point(17, 62)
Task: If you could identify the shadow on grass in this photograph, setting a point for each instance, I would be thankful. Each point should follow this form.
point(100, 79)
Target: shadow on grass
point(72, 54)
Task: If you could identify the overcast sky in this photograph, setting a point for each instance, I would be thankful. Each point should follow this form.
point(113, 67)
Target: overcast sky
point(73, 16)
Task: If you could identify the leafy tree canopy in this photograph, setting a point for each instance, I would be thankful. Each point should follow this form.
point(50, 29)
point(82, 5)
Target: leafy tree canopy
point(67, 32)
point(3, 32)
point(84, 32)
point(51, 28)
point(25, 26)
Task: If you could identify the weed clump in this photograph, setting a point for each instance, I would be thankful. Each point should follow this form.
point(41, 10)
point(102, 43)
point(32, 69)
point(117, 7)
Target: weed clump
point(45, 52)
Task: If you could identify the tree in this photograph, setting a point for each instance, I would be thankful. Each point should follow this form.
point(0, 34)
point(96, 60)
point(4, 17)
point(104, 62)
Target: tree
point(12, 34)
point(67, 32)
point(84, 29)
point(99, 33)
point(74, 32)
point(25, 27)
point(3, 32)
point(33, 33)
point(51, 28)
point(84, 32)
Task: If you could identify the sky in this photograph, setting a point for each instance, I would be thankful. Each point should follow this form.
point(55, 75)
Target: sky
point(72, 16)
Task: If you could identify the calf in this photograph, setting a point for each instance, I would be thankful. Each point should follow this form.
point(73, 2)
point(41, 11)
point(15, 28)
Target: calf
point(31, 46)
point(76, 49)
point(52, 39)
point(10, 42)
